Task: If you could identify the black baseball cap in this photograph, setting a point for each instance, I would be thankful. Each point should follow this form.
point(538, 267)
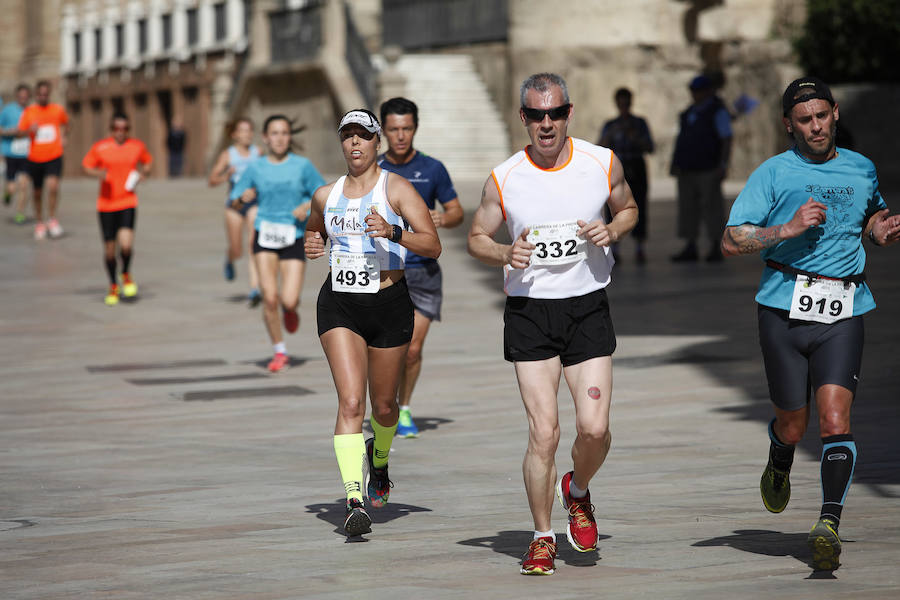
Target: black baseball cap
point(803, 89)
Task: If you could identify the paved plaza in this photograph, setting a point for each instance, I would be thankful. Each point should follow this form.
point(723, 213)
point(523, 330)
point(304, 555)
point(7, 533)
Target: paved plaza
point(145, 452)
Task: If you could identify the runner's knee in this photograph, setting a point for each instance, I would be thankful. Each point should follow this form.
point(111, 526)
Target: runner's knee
point(351, 408)
point(790, 431)
point(833, 422)
point(413, 354)
point(544, 438)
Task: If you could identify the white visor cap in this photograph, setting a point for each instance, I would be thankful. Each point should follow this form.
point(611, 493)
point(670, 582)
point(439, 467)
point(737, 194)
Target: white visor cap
point(362, 119)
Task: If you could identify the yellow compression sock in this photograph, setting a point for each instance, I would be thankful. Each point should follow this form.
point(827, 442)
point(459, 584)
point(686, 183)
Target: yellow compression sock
point(384, 437)
point(350, 450)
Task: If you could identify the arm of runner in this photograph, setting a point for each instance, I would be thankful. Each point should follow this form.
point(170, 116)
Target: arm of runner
point(406, 201)
point(92, 165)
point(883, 229)
point(485, 223)
point(451, 216)
point(749, 238)
point(220, 171)
point(622, 206)
point(301, 212)
point(315, 235)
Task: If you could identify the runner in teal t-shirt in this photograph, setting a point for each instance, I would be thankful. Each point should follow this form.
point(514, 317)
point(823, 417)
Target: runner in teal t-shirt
point(807, 211)
point(283, 184)
point(15, 152)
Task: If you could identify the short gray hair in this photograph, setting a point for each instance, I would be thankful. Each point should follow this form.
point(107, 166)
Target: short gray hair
point(542, 82)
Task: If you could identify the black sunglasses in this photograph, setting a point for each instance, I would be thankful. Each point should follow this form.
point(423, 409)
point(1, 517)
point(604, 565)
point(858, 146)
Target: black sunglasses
point(555, 114)
point(360, 131)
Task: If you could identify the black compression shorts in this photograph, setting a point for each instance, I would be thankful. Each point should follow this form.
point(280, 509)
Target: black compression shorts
point(801, 356)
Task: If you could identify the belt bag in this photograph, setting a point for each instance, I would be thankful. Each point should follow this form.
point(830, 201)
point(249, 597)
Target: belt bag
point(857, 279)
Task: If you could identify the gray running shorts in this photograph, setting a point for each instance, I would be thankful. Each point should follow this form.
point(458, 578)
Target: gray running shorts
point(802, 356)
point(425, 289)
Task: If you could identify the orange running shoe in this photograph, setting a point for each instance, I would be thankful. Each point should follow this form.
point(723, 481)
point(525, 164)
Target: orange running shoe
point(539, 558)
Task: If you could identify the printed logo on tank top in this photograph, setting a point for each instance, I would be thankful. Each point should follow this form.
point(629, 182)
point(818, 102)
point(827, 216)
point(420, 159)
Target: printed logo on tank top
point(346, 221)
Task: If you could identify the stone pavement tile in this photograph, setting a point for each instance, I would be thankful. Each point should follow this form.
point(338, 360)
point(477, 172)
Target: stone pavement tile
point(145, 452)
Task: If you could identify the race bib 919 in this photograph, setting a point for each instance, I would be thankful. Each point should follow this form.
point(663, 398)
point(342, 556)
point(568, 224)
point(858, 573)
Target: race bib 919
point(822, 300)
point(556, 244)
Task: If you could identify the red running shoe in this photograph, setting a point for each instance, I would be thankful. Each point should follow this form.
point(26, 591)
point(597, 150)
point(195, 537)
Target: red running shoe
point(291, 320)
point(582, 528)
point(539, 558)
point(278, 362)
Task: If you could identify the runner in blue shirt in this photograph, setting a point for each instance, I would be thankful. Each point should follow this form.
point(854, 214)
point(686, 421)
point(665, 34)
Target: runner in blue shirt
point(229, 166)
point(15, 151)
point(282, 184)
point(807, 211)
point(423, 275)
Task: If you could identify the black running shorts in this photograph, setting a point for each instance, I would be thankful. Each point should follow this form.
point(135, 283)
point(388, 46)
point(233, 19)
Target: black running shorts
point(295, 251)
point(384, 319)
point(575, 329)
point(14, 166)
point(112, 222)
point(39, 170)
point(425, 289)
point(801, 356)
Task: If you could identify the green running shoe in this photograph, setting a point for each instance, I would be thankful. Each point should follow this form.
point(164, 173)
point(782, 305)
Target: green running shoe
point(775, 488)
point(825, 545)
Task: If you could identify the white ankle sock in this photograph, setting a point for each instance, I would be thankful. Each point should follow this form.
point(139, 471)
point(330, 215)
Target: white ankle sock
point(540, 534)
point(280, 348)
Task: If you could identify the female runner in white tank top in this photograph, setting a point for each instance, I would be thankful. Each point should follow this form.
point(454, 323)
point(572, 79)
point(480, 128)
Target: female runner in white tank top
point(365, 316)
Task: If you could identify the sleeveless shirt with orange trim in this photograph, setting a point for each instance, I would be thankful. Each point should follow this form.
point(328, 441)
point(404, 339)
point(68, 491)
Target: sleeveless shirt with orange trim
point(531, 196)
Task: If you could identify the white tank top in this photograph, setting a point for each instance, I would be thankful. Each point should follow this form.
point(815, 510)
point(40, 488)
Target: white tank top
point(345, 224)
point(548, 202)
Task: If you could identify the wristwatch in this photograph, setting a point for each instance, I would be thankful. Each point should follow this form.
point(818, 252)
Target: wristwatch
point(396, 233)
point(872, 237)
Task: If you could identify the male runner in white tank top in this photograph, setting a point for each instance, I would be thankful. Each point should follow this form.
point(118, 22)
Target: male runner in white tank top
point(550, 196)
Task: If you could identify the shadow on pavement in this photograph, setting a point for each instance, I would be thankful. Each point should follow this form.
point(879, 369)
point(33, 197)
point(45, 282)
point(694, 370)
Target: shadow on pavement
point(515, 544)
point(770, 543)
point(335, 512)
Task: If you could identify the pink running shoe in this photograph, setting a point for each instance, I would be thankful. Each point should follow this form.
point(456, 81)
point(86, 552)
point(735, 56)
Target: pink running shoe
point(278, 362)
point(40, 231)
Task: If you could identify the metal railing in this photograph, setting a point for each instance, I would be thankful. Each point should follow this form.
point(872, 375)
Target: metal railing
point(358, 60)
point(414, 24)
point(296, 34)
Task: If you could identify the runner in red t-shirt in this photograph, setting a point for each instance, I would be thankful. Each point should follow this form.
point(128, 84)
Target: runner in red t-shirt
point(47, 125)
point(120, 162)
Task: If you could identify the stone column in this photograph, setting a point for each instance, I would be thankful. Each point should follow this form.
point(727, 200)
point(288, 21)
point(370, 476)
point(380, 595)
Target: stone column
point(135, 11)
point(206, 24)
point(179, 30)
point(235, 26)
point(260, 33)
point(68, 27)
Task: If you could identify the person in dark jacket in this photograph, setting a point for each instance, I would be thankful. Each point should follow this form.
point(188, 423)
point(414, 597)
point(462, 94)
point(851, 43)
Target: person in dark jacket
point(700, 162)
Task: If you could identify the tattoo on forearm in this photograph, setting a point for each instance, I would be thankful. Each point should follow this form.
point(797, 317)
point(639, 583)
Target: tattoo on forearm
point(750, 238)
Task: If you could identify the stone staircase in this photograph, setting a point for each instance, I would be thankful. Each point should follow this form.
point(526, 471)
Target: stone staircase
point(458, 121)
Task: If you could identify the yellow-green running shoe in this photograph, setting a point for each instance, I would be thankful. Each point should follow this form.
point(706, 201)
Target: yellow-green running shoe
point(775, 488)
point(825, 545)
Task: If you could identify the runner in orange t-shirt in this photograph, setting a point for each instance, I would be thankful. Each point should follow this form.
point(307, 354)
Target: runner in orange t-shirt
point(47, 125)
point(120, 162)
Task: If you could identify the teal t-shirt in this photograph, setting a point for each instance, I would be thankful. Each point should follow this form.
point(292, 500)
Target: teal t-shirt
point(9, 118)
point(280, 188)
point(847, 185)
